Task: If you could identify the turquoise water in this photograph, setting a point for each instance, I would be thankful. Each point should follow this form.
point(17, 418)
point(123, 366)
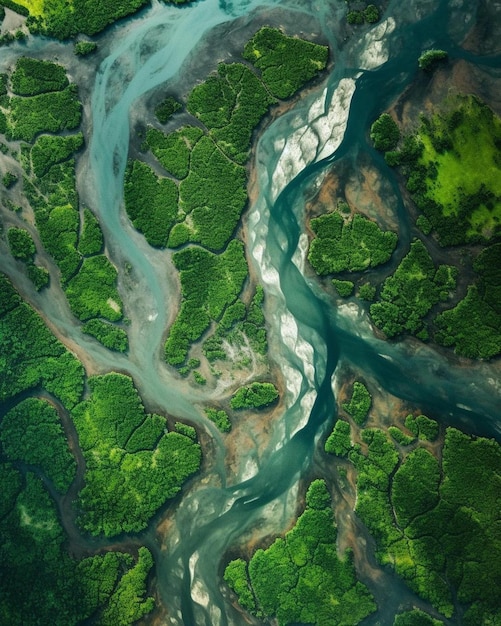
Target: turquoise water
point(310, 341)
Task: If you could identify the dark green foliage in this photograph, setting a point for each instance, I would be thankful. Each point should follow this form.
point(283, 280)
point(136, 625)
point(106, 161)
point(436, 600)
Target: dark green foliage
point(339, 441)
point(429, 59)
point(49, 150)
point(49, 112)
point(409, 294)
point(214, 194)
point(254, 396)
point(371, 14)
point(473, 326)
point(359, 405)
point(343, 287)
point(367, 292)
point(186, 430)
point(83, 48)
point(8, 180)
point(355, 17)
point(173, 150)
point(38, 275)
point(286, 63)
point(150, 202)
point(62, 20)
point(416, 618)
point(31, 432)
point(91, 240)
point(400, 437)
point(33, 555)
point(231, 105)
point(300, 579)
point(166, 109)
point(109, 335)
point(203, 300)
point(385, 133)
point(32, 77)
point(424, 224)
point(352, 245)
point(92, 292)
point(428, 428)
point(124, 489)
point(32, 356)
point(220, 419)
point(21, 244)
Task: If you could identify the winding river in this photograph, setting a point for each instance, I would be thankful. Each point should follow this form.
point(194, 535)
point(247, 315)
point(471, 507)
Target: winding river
point(310, 340)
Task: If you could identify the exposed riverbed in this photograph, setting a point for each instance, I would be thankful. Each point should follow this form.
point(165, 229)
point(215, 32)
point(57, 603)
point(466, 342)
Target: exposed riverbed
point(250, 482)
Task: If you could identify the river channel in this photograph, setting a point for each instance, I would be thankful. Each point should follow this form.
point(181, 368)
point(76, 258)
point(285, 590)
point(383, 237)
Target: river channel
point(311, 341)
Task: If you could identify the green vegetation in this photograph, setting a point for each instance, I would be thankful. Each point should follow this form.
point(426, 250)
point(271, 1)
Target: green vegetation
point(286, 63)
point(409, 294)
point(300, 578)
point(400, 437)
point(150, 202)
point(31, 355)
point(473, 326)
point(367, 292)
point(433, 520)
point(110, 336)
point(359, 406)
point(339, 441)
point(33, 77)
point(203, 300)
point(173, 150)
point(69, 591)
point(430, 58)
point(91, 240)
point(231, 105)
point(38, 275)
point(21, 244)
point(92, 292)
point(166, 109)
point(359, 16)
point(452, 171)
point(49, 150)
point(213, 194)
point(416, 618)
point(31, 432)
point(348, 245)
point(49, 112)
point(83, 48)
point(220, 419)
point(254, 396)
point(9, 180)
point(385, 133)
point(124, 489)
point(343, 287)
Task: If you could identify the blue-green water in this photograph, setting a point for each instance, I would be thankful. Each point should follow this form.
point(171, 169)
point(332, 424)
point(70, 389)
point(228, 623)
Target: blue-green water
point(310, 340)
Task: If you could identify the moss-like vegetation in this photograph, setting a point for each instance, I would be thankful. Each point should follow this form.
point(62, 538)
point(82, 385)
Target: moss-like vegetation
point(31, 432)
point(339, 441)
point(150, 202)
point(32, 356)
point(32, 77)
point(48, 150)
point(348, 245)
point(109, 335)
point(166, 109)
point(124, 489)
point(92, 292)
point(416, 617)
point(473, 326)
point(360, 403)
point(203, 300)
point(344, 288)
point(286, 63)
point(220, 418)
point(385, 133)
point(430, 58)
point(21, 244)
point(254, 396)
point(84, 48)
point(300, 578)
point(409, 294)
point(433, 519)
point(173, 150)
point(91, 240)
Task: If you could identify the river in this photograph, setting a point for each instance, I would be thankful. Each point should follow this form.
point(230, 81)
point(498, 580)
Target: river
point(310, 340)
